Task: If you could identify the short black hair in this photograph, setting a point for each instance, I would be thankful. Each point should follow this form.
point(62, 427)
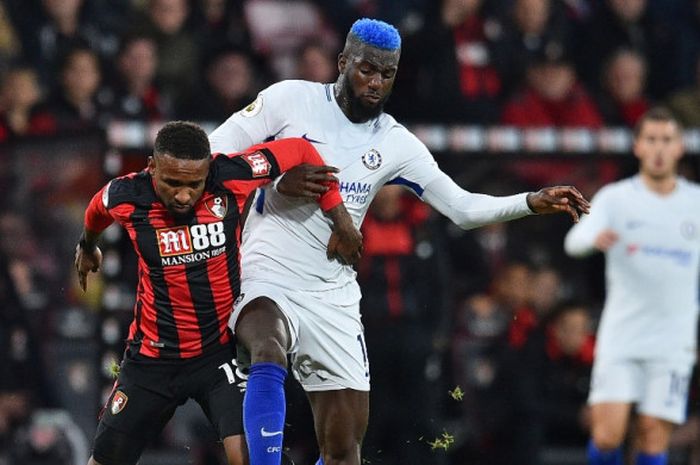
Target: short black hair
point(662, 114)
point(182, 139)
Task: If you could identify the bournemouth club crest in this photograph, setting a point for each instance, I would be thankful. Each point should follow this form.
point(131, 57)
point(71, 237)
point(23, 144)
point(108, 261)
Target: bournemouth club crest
point(217, 206)
point(372, 159)
point(118, 402)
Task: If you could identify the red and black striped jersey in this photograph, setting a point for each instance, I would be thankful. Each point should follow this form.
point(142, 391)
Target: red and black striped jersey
point(188, 268)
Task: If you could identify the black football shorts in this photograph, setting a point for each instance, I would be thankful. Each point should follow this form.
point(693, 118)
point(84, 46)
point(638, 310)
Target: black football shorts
point(148, 391)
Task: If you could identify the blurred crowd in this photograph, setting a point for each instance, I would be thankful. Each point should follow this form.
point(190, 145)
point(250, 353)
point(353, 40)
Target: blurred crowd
point(67, 64)
point(482, 337)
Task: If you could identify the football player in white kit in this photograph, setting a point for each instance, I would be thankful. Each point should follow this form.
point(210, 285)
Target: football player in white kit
point(297, 301)
point(648, 226)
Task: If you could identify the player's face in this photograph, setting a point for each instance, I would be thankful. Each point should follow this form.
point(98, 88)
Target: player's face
point(658, 147)
point(179, 183)
point(368, 78)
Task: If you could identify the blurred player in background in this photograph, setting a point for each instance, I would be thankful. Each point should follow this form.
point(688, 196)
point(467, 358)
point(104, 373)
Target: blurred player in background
point(182, 214)
point(648, 226)
point(295, 302)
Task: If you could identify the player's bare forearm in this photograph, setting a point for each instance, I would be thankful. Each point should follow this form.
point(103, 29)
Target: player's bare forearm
point(345, 243)
point(307, 180)
point(558, 199)
point(88, 257)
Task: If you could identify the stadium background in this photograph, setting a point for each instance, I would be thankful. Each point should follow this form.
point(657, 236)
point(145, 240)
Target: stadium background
point(470, 334)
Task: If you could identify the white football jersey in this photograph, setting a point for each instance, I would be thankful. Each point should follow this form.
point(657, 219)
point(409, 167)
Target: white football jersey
point(651, 307)
point(284, 239)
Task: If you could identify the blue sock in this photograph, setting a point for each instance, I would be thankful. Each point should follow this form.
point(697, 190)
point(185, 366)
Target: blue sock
point(598, 457)
point(263, 413)
point(651, 459)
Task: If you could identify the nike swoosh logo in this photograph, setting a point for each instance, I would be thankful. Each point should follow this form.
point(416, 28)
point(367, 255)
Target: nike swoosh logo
point(267, 434)
point(306, 137)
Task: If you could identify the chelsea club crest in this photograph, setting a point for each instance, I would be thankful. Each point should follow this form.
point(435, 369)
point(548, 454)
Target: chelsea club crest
point(372, 159)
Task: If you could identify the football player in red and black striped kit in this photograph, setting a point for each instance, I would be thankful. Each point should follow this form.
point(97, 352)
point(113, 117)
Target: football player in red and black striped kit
point(182, 215)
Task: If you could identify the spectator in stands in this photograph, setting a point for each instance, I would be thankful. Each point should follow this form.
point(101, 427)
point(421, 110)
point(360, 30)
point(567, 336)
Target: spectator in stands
point(19, 96)
point(278, 28)
point(531, 28)
point(166, 21)
point(485, 325)
point(10, 44)
point(546, 385)
point(229, 85)
point(456, 77)
point(316, 63)
point(623, 100)
point(687, 29)
point(220, 22)
point(552, 96)
point(685, 104)
point(627, 24)
point(63, 25)
point(546, 291)
point(403, 277)
point(134, 94)
point(74, 106)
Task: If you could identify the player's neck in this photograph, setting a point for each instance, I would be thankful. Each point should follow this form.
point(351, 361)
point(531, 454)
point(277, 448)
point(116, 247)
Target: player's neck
point(661, 185)
point(343, 101)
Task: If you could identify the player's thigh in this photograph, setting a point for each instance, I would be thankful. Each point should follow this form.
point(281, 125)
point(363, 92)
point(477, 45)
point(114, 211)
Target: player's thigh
point(616, 381)
point(615, 386)
point(653, 434)
point(340, 419)
point(609, 424)
point(215, 383)
point(140, 404)
point(123, 443)
point(331, 353)
point(665, 390)
point(261, 322)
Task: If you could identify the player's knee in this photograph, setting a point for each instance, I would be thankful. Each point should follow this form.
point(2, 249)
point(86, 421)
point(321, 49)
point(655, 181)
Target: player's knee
point(608, 436)
point(653, 434)
point(607, 439)
point(268, 349)
point(112, 447)
point(338, 451)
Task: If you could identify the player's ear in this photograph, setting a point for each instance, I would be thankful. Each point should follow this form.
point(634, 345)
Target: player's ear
point(342, 62)
point(151, 164)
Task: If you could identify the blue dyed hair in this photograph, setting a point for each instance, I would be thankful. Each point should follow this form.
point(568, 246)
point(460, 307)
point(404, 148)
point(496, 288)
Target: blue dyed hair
point(377, 33)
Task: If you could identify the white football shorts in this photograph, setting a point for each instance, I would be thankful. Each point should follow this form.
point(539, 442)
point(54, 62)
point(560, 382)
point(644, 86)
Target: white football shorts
point(328, 349)
point(658, 387)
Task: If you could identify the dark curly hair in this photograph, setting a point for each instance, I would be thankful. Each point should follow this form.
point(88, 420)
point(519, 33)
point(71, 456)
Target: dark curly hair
point(182, 139)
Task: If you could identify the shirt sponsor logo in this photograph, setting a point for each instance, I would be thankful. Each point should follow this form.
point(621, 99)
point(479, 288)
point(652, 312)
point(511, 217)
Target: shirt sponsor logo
point(259, 164)
point(190, 244)
point(174, 241)
point(680, 256)
point(372, 159)
point(118, 402)
point(355, 192)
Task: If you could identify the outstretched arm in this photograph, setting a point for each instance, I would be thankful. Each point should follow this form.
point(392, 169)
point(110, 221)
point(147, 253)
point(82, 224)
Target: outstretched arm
point(469, 210)
point(559, 199)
